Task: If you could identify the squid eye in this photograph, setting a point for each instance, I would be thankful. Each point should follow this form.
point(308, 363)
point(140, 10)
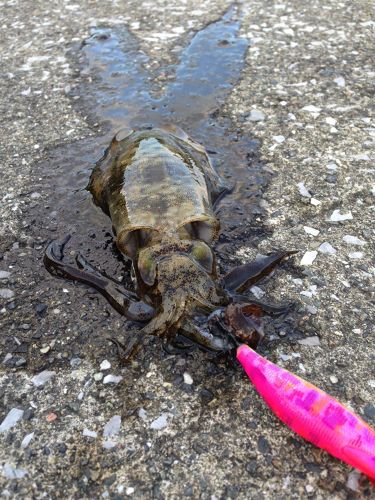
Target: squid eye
point(203, 255)
point(147, 267)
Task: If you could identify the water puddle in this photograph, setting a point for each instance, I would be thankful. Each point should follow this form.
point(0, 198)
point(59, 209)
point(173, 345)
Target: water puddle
point(118, 89)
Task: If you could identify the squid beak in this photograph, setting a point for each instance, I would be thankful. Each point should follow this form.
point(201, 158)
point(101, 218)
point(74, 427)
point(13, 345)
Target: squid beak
point(172, 309)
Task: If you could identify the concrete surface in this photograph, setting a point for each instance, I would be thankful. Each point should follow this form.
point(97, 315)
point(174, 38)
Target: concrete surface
point(306, 92)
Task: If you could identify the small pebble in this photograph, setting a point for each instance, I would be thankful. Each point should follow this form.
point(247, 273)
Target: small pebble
point(112, 427)
point(4, 275)
point(98, 376)
point(142, 413)
point(311, 309)
point(75, 362)
point(297, 281)
point(11, 419)
point(355, 255)
point(51, 417)
point(130, 490)
point(311, 230)
point(308, 258)
point(160, 422)
point(285, 357)
point(112, 379)
point(7, 357)
point(333, 379)
point(26, 440)
point(353, 240)
point(337, 216)
point(340, 81)
point(310, 341)
point(309, 293)
point(92, 434)
point(108, 444)
point(105, 365)
point(188, 379)
point(315, 202)
point(278, 138)
point(12, 473)
point(353, 480)
point(332, 166)
point(256, 116)
point(309, 488)
point(311, 109)
point(303, 191)
point(331, 121)
point(362, 157)
point(5, 293)
point(327, 248)
point(42, 378)
point(257, 292)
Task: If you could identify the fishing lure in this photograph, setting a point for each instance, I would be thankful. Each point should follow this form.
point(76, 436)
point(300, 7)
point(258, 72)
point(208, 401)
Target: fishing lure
point(311, 413)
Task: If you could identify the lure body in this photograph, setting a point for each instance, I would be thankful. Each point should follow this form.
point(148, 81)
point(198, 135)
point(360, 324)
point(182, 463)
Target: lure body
point(311, 413)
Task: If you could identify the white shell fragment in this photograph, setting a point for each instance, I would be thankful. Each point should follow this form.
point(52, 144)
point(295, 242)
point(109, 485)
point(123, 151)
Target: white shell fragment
point(337, 216)
point(112, 427)
point(11, 419)
point(332, 166)
point(311, 109)
point(310, 341)
point(353, 240)
point(105, 365)
point(315, 202)
point(92, 434)
point(308, 258)
point(187, 378)
point(257, 292)
point(330, 121)
point(311, 230)
point(112, 379)
point(160, 422)
point(256, 116)
point(303, 191)
point(327, 248)
point(340, 81)
point(353, 480)
point(278, 138)
point(142, 413)
point(355, 255)
point(12, 473)
point(26, 440)
point(6, 293)
point(42, 378)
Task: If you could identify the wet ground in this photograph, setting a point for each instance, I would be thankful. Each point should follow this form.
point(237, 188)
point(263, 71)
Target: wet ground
point(280, 95)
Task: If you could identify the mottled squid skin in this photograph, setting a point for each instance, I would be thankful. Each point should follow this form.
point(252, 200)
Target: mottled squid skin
point(312, 413)
point(159, 187)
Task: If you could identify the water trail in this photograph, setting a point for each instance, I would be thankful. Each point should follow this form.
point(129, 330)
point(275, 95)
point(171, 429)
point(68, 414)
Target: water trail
point(117, 89)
